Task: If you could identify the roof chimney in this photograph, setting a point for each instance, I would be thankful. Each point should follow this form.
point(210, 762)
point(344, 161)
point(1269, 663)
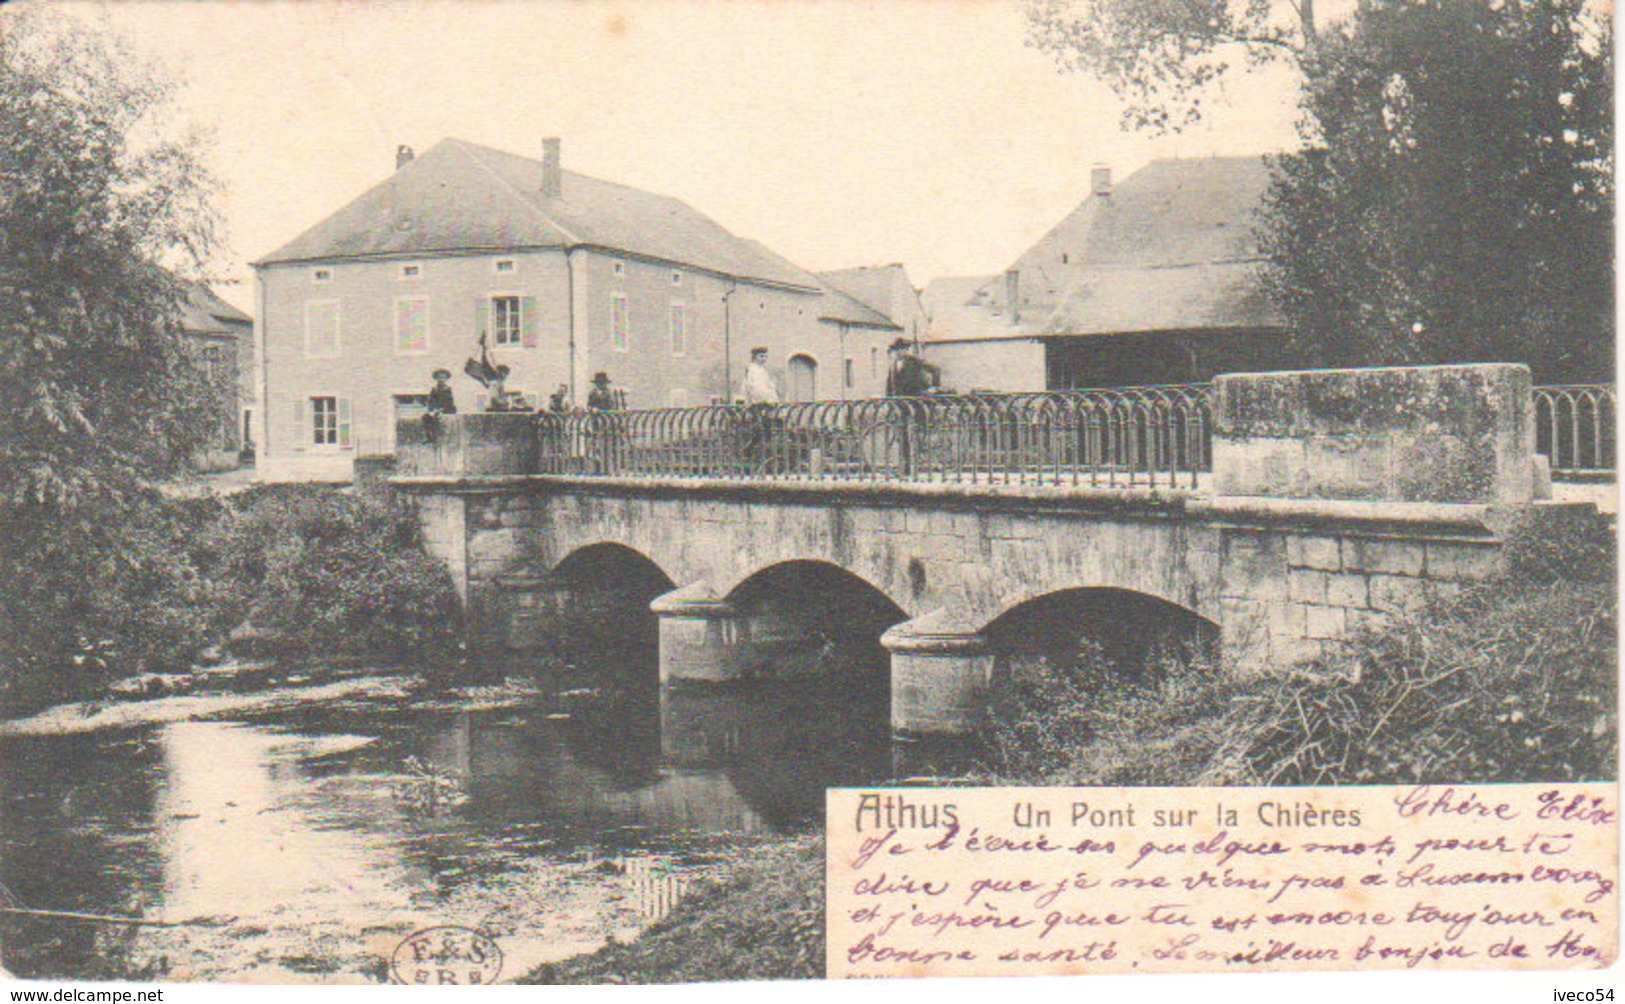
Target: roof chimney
point(403, 156)
point(1012, 293)
point(1100, 181)
point(552, 173)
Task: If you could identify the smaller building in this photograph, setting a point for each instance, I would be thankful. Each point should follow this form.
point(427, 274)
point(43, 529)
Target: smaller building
point(223, 338)
point(1155, 280)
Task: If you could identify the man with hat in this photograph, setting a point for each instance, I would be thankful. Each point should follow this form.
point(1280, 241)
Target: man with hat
point(601, 395)
point(909, 375)
point(440, 402)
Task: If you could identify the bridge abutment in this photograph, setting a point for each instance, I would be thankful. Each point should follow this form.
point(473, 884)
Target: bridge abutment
point(703, 639)
point(942, 672)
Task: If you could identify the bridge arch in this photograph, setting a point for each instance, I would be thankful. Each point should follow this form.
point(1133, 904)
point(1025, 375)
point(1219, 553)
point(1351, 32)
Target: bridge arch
point(591, 608)
point(813, 617)
point(614, 564)
point(1131, 629)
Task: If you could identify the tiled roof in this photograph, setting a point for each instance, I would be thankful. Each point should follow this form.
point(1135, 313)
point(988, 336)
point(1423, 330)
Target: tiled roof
point(886, 289)
point(1171, 248)
point(835, 305)
point(841, 307)
point(204, 312)
point(461, 196)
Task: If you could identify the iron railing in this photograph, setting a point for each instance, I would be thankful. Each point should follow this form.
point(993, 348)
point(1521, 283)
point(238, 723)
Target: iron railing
point(1574, 428)
point(1142, 436)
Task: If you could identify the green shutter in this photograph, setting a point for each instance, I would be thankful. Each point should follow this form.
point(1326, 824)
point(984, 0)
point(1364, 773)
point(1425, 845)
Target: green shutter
point(527, 321)
point(301, 436)
point(344, 422)
point(482, 318)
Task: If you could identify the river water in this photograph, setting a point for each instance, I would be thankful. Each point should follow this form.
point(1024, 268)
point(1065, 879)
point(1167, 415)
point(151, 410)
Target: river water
point(307, 843)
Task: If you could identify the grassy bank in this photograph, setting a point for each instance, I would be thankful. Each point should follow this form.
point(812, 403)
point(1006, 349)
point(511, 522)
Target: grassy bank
point(1514, 681)
point(764, 920)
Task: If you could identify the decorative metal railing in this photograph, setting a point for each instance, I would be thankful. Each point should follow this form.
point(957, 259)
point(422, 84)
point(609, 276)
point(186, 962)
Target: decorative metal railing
point(1574, 427)
point(1141, 436)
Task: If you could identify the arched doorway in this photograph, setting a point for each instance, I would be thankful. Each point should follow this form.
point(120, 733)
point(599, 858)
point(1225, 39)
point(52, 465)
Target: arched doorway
point(803, 373)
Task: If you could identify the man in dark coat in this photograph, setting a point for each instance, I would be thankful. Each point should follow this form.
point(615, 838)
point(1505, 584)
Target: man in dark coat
point(601, 395)
point(909, 375)
point(441, 401)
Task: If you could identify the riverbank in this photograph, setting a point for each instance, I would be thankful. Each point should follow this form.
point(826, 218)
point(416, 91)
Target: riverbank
point(1512, 682)
point(405, 690)
point(761, 919)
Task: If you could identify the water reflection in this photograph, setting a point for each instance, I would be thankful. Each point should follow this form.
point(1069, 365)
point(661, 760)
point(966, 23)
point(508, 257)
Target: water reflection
point(242, 827)
point(318, 815)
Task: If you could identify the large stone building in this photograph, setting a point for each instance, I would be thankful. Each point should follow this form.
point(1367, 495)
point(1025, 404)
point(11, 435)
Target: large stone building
point(1154, 280)
point(564, 275)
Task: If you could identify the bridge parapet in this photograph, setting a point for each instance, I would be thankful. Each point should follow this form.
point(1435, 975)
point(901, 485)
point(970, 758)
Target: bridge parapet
point(481, 444)
point(1445, 434)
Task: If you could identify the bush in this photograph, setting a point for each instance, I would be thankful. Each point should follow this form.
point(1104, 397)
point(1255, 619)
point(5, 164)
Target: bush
point(1514, 681)
point(117, 597)
point(1088, 721)
point(325, 571)
point(332, 572)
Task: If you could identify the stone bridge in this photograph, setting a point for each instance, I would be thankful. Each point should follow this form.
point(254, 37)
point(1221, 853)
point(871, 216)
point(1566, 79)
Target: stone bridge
point(1335, 499)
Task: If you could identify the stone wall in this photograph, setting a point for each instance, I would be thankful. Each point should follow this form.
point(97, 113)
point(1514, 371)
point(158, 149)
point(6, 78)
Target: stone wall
point(1460, 434)
point(1281, 584)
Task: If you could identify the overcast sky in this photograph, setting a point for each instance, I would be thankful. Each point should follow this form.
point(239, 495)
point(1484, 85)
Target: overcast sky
point(838, 133)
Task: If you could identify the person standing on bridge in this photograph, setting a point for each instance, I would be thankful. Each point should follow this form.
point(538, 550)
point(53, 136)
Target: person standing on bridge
point(440, 402)
point(908, 376)
point(761, 397)
point(602, 395)
point(759, 385)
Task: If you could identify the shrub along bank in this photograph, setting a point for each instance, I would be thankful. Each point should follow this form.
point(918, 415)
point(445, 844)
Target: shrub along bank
point(320, 570)
point(1513, 681)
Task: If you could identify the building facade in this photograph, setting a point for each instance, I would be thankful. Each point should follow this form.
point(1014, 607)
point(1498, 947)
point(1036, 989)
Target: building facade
point(558, 276)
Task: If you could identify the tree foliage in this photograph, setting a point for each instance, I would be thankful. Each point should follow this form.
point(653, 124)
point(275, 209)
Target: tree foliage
point(1459, 205)
point(1159, 56)
point(98, 190)
point(1454, 202)
point(102, 197)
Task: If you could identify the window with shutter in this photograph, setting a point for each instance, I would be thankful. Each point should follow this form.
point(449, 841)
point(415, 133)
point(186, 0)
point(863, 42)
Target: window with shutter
point(324, 421)
point(344, 423)
point(527, 322)
point(505, 320)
